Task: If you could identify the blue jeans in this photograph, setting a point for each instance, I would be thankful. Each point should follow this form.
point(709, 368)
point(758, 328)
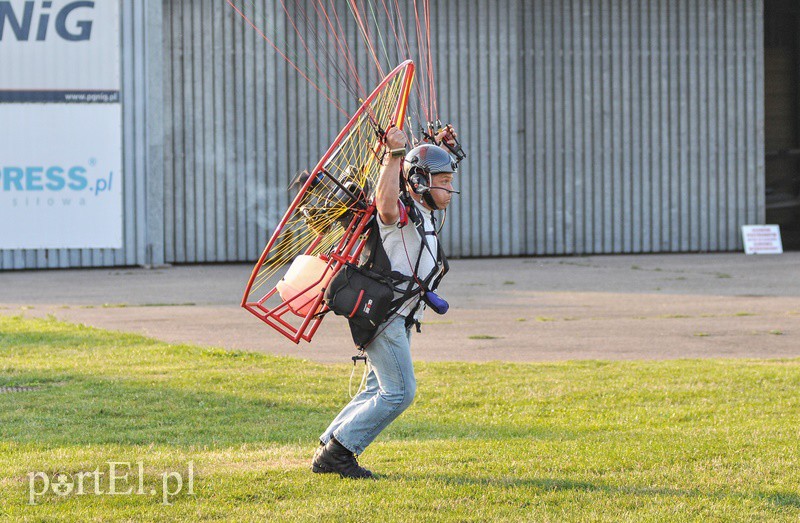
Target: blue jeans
point(390, 389)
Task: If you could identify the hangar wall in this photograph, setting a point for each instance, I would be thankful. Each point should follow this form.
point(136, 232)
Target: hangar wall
point(645, 125)
point(592, 126)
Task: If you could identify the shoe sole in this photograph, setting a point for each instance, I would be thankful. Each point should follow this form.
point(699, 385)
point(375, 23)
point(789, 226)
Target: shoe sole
point(321, 469)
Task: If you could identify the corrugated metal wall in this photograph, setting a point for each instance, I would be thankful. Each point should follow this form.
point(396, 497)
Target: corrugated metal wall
point(479, 55)
point(592, 126)
point(644, 125)
point(142, 137)
point(241, 123)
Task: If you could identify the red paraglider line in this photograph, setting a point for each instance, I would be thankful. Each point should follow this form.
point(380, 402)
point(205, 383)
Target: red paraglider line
point(290, 62)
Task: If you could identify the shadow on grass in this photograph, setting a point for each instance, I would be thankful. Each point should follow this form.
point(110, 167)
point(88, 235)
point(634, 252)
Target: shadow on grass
point(83, 410)
point(39, 333)
point(779, 499)
point(78, 410)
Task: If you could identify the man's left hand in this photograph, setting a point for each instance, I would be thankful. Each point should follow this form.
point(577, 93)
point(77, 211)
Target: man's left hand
point(447, 136)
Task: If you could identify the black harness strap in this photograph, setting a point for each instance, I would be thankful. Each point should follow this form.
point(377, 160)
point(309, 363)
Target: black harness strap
point(440, 262)
point(375, 262)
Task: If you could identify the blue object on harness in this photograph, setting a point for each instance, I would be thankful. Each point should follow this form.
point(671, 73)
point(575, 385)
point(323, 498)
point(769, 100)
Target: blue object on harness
point(438, 304)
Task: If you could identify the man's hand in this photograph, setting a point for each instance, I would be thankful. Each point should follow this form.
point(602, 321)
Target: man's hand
point(447, 136)
point(448, 140)
point(395, 139)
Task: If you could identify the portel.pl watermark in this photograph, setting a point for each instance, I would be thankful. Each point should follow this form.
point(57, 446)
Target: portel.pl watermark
point(114, 478)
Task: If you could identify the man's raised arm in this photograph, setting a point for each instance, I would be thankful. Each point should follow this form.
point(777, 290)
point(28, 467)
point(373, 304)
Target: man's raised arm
point(387, 193)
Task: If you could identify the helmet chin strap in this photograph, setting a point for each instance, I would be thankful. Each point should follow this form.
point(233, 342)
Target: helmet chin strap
point(427, 197)
point(429, 200)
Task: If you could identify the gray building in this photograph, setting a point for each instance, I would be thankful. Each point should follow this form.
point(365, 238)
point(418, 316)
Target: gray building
point(592, 126)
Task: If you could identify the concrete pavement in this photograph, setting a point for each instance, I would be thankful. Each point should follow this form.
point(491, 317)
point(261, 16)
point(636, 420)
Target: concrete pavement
point(514, 309)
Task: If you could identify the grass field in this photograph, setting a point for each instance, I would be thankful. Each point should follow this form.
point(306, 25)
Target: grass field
point(711, 440)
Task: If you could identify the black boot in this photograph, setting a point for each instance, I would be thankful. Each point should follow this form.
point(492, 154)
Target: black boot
point(336, 458)
point(316, 455)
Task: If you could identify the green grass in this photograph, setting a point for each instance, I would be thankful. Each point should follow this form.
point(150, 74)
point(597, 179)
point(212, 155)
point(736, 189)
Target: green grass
point(688, 440)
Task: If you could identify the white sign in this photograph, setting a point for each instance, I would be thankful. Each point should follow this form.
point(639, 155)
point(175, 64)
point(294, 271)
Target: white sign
point(61, 45)
point(60, 124)
point(60, 180)
point(762, 239)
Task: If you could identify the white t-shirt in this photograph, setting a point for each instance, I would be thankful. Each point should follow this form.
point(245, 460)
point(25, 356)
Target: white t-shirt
point(402, 246)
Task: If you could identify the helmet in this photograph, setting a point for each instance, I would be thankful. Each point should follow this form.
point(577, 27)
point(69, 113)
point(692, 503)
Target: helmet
point(424, 161)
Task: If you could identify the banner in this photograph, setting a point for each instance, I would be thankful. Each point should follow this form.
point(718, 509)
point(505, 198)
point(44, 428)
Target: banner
point(60, 124)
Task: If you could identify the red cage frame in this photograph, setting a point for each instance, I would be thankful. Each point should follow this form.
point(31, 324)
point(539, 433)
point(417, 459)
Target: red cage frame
point(349, 247)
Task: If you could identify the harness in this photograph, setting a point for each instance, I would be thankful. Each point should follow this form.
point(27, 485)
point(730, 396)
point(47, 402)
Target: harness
point(377, 265)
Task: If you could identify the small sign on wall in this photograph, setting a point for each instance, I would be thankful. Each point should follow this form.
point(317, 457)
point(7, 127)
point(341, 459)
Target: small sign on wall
point(762, 239)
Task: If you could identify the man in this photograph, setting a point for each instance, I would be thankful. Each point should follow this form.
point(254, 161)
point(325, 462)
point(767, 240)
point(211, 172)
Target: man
point(390, 384)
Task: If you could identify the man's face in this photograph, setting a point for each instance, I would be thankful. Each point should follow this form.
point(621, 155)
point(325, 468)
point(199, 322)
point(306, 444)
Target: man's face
point(440, 196)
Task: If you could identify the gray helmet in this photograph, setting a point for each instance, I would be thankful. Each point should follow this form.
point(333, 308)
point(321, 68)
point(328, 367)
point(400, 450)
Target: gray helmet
point(422, 162)
point(430, 158)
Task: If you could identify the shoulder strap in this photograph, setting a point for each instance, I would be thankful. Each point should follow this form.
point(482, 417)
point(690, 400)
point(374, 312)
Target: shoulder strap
point(374, 255)
point(377, 261)
point(440, 260)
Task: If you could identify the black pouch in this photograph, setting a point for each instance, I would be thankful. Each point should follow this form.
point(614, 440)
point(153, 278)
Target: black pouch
point(361, 296)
